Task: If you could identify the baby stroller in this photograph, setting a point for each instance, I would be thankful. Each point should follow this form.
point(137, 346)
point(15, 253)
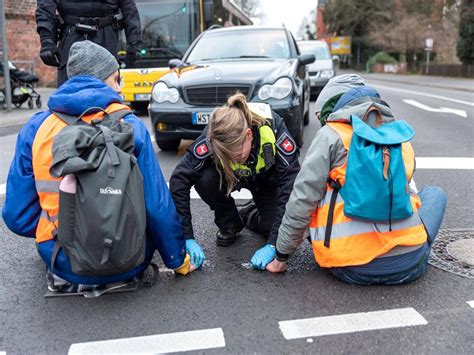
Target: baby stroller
point(22, 87)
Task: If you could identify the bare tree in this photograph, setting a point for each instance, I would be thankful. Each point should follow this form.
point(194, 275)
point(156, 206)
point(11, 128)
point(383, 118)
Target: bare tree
point(250, 7)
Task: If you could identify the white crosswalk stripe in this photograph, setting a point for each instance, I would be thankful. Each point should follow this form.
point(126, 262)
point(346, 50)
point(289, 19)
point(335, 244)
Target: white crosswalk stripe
point(446, 163)
point(349, 323)
point(155, 344)
point(470, 303)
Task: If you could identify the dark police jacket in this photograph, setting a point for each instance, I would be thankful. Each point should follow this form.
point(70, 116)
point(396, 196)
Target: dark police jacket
point(281, 175)
point(48, 23)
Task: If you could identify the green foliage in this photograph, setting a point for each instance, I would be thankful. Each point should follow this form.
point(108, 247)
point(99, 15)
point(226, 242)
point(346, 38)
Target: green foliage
point(465, 45)
point(380, 58)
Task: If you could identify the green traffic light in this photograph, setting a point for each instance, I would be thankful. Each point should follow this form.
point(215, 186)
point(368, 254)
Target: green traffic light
point(143, 51)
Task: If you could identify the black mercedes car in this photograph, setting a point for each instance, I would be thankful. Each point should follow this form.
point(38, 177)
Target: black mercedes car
point(261, 62)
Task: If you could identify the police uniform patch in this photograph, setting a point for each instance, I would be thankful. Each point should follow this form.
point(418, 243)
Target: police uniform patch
point(201, 149)
point(286, 144)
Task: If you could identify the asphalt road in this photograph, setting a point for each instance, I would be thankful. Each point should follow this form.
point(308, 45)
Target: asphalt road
point(248, 305)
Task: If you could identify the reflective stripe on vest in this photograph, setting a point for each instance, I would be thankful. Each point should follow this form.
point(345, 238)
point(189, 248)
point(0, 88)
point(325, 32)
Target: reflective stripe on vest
point(356, 242)
point(266, 136)
point(47, 186)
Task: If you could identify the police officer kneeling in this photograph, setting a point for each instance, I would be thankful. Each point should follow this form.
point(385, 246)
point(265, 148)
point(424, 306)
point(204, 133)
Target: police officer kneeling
point(238, 149)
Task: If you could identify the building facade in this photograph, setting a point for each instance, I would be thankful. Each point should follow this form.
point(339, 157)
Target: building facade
point(23, 40)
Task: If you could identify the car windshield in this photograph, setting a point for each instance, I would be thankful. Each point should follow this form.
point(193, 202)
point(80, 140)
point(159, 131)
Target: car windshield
point(240, 44)
point(321, 52)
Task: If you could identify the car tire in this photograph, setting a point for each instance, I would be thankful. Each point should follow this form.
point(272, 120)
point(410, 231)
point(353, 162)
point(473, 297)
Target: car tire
point(296, 130)
point(168, 144)
point(306, 119)
point(141, 107)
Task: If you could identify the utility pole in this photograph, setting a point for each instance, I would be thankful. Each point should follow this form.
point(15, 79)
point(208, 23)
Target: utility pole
point(428, 49)
point(6, 67)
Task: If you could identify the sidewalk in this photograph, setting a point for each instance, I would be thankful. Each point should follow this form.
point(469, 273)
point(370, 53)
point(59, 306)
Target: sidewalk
point(440, 82)
point(18, 116)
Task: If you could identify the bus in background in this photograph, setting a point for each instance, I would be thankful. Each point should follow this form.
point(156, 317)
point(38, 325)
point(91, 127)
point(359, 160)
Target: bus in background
point(168, 29)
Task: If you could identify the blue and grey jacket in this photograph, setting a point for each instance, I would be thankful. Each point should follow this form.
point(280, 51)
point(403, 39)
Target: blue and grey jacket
point(22, 210)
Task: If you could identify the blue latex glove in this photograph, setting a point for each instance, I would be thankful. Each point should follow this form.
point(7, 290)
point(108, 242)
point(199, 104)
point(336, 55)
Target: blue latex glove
point(263, 257)
point(195, 252)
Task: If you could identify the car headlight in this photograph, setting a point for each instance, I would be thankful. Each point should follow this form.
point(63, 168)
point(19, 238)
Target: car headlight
point(162, 93)
point(327, 74)
point(279, 90)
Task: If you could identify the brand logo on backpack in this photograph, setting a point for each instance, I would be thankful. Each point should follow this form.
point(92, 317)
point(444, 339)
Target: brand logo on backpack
point(110, 191)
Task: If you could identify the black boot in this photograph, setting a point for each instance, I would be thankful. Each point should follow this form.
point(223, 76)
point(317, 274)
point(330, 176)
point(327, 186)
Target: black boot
point(226, 237)
point(250, 216)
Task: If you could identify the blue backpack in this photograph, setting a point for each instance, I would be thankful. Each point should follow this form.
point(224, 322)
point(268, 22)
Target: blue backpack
point(376, 186)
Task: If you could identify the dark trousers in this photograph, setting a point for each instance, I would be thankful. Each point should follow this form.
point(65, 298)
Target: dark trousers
point(226, 215)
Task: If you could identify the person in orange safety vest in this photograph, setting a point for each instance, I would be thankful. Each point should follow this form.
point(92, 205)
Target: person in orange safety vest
point(361, 252)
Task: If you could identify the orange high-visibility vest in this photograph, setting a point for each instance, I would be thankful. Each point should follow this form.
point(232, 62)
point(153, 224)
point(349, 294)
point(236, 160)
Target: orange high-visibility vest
point(47, 186)
point(356, 242)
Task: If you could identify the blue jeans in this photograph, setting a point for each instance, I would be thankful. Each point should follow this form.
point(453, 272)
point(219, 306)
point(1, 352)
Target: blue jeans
point(433, 205)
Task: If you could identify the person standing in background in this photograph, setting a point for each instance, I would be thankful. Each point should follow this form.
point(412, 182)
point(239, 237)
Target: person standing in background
point(62, 23)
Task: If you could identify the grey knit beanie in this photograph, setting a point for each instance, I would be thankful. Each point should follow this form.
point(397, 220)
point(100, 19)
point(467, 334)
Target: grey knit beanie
point(338, 85)
point(88, 58)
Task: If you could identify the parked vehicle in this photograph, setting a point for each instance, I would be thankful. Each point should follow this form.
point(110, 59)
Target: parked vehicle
point(168, 29)
point(261, 62)
point(323, 67)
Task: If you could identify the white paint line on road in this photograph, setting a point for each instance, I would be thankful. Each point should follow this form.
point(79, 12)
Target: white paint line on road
point(470, 303)
point(349, 323)
point(461, 113)
point(449, 163)
point(423, 94)
point(243, 194)
point(155, 344)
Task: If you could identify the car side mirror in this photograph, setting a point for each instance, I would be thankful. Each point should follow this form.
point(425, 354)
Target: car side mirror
point(173, 63)
point(306, 59)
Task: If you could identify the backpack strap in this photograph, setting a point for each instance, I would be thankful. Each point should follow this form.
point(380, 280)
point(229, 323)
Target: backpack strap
point(110, 147)
point(119, 114)
point(336, 186)
point(68, 119)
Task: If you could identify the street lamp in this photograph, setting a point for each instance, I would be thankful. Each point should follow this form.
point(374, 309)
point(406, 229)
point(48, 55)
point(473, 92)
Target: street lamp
point(6, 66)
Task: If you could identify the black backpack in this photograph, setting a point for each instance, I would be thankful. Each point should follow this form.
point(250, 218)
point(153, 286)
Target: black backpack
point(102, 227)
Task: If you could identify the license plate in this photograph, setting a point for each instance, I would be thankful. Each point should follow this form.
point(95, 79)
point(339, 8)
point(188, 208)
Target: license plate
point(201, 117)
point(142, 97)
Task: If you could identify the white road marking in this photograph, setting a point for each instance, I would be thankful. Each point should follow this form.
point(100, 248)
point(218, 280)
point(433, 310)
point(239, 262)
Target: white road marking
point(470, 303)
point(155, 344)
point(450, 163)
point(423, 94)
point(349, 323)
point(461, 113)
point(447, 163)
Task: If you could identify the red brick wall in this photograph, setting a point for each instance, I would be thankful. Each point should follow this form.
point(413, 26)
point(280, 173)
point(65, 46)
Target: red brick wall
point(23, 40)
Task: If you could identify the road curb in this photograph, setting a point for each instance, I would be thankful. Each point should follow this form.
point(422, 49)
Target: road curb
point(457, 88)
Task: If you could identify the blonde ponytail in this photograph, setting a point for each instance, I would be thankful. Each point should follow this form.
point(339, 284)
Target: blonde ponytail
point(227, 128)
